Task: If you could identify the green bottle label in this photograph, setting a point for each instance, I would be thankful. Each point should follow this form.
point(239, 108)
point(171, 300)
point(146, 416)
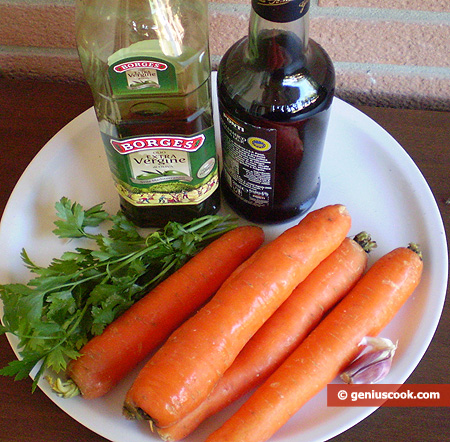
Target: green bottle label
point(164, 169)
point(137, 75)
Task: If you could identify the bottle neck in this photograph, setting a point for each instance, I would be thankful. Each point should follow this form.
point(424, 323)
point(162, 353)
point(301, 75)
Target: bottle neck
point(271, 28)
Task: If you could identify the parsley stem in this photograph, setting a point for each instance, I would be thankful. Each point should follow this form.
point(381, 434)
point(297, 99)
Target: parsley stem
point(162, 273)
point(62, 341)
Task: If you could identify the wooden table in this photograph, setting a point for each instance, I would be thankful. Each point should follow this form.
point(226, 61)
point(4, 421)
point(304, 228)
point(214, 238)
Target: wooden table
point(31, 112)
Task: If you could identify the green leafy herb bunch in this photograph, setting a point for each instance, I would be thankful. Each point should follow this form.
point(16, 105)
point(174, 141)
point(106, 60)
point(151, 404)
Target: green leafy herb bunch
point(77, 295)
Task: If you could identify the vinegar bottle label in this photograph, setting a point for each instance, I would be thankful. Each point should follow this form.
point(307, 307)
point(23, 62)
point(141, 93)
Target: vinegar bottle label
point(158, 170)
point(249, 160)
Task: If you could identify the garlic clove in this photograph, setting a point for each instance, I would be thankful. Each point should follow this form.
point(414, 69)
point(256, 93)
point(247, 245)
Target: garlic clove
point(373, 364)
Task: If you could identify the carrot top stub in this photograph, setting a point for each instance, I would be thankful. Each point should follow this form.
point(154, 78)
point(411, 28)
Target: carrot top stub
point(186, 368)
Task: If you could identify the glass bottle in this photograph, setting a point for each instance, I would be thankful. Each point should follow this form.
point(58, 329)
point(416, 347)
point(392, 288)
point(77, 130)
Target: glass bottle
point(275, 90)
point(147, 64)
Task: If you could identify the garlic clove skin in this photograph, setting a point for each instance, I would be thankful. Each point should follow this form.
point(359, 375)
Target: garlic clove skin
point(373, 364)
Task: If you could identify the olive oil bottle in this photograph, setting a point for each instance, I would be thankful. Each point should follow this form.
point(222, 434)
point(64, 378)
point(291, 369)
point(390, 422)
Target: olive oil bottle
point(147, 64)
point(275, 91)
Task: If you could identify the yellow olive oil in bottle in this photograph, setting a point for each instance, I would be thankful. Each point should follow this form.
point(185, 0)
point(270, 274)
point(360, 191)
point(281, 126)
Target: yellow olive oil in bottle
point(275, 91)
point(147, 64)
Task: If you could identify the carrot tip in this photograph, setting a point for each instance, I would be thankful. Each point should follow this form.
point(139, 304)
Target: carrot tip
point(365, 241)
point(66, 389)
point(343, 210)
point(134, 413)
point(416, 249)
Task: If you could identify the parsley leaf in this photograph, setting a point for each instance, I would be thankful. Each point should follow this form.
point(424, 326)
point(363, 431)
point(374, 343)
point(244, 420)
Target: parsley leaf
point(74, 219)
point(78, 294)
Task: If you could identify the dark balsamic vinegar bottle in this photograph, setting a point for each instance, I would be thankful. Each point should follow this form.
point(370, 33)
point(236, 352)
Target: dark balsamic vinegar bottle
point(275, 90)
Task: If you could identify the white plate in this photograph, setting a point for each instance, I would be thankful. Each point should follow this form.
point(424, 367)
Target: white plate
point(363, 168)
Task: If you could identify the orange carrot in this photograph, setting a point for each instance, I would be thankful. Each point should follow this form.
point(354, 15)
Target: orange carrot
point(107, 358)
point(281, 333)
point(185, 369)
point(330, 347)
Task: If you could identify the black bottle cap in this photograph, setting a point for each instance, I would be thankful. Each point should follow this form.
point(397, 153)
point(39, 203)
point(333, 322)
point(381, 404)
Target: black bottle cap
point(280, 11)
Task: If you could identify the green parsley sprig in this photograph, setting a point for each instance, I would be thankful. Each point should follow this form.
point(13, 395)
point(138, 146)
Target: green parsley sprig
point(77, 295)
